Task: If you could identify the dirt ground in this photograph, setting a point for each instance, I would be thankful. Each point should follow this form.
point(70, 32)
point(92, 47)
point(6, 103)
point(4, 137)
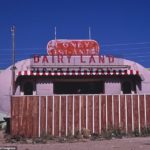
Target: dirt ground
point(140, 143)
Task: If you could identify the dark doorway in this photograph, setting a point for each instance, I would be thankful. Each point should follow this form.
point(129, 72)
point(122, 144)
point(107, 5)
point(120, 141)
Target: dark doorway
point(28, 88)
point(126, 87)
point(78, 87)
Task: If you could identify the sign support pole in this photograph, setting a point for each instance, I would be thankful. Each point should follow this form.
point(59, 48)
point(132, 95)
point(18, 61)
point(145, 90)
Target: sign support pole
point(13, 60)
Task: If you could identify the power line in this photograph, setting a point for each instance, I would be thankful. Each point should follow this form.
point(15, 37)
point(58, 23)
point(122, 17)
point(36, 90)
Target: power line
point(125, 44)
point(102, 45)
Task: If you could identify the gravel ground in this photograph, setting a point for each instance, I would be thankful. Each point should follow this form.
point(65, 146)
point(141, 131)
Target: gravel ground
point(140, 143)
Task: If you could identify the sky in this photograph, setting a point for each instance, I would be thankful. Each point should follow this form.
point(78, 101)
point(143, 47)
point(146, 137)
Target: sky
point(121, 27)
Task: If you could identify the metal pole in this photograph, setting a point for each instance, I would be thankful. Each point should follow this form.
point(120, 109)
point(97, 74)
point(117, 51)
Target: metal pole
point(55, 34)
point(89, 33)
point(13, 59)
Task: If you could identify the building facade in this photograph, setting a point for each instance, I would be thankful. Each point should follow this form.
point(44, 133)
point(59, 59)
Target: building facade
point(75, 68)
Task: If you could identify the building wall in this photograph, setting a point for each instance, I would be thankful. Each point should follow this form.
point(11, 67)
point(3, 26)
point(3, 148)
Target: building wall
point(112, 87)
point(44, 87)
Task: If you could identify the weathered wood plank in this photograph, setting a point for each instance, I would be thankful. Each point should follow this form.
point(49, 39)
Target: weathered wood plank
point(56, 115)
point(90, 123)
point(135, 111)
point(50, 113)
point(103, 112)
point(76, 113)
point(43, 115)
point(83, 111)
point(63, 115)
point(109, 110)
point(96, 113)
point(35, 115)
point(122, 107)
point(129, 113)
point(70, 103)
point(116, 111)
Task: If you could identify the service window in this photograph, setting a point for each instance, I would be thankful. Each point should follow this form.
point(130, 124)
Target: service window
point(28, 88)
point(126, 87)
point(79, 87)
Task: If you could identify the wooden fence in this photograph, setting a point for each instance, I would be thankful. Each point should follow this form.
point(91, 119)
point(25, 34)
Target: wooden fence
point(60, 115)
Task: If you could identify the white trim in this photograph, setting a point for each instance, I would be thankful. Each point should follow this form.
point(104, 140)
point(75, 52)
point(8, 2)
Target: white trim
point(39, 116)
point(93, 112)
point(80, 114)
point(139, 114)
point(59, 115)
point(21, 93)
point(100, 121)
point(46, 114)
point(86, 112)
point(106, 113)
point(113, 113)
point(73, 116)
point(53, 116)
point(126, 114)
point(145, 116)
point(66, 115)
point(119, 111)
point(132, 108)
point(104, 72)
point(34, 93)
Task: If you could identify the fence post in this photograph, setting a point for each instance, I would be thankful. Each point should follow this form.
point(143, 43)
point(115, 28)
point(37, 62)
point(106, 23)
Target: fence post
point(86, 112)
point(119, 111)
point(106, 113)
point(39, 116)
point(113, 110)
point(100, 120)
point(93, 112)
point(139, 114)
point(73, 116)
point(46, 113)
point(53, 116)
point(126, 115)
point(145, 115)
point(66, 115)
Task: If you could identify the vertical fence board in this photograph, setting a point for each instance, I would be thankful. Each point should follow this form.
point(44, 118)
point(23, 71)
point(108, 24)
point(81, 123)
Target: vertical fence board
point(142, 112)
point(103, 112)
point(90, 112)
point(83, 111)
point(96, 113)
point(43, 115)
point(109, 110)
point(76, 113)
point(63, 115)
point(23, 108)
point(129, 113)
point(19, 117)
point(50, 111)
point(122, 107)
point(135, 111)
point(56, 115)
point(15, 115)
point(35, 116)
point(70, 103)
point(148, 109)
point(29, 116)
point(116, 111)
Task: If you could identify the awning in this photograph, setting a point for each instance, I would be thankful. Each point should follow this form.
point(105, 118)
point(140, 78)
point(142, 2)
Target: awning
point(77, 73)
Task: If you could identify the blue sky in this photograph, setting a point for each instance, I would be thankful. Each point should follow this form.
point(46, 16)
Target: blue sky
point(122, 27)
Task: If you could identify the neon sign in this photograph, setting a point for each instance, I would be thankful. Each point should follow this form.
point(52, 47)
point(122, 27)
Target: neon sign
point(73, 47)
